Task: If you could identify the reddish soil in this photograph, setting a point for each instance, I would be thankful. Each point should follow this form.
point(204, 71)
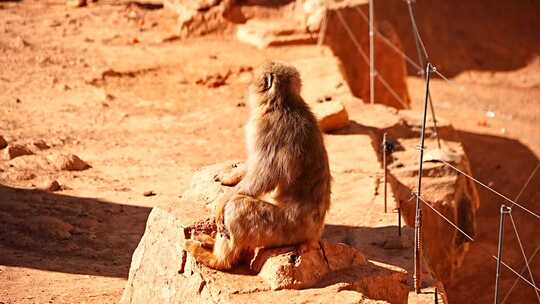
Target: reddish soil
point(110, 84)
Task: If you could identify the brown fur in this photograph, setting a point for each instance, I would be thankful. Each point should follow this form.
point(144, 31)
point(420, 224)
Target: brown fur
point(287, 162)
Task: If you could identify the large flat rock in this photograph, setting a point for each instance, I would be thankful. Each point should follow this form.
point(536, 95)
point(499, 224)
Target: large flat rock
point(162, 272)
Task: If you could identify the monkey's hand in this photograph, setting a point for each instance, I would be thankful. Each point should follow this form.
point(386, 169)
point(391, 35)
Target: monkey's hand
point(233, 177)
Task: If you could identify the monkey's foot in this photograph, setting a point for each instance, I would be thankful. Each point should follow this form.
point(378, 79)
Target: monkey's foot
point(205, 240)
point(191, 246)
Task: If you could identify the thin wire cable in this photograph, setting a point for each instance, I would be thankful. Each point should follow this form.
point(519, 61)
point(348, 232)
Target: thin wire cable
point(538, 247)
point(366, 60)
point(415, 30)
point(528, 181)
point(515, 272)
point(390, 44)
point(533, 285)
point(524, 255)
point(522, 270)
point(392, 91)
point(351, 35)
point(490, 189)
point(444, 217)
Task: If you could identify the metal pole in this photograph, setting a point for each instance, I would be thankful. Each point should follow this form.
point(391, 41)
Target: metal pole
point(504, 210)
point(322, 30)
point(371, 56)
point(418, 218)
point(435, 128)
point(436, 296)
point(384, 147)
point(421, 62)
point(399, 220)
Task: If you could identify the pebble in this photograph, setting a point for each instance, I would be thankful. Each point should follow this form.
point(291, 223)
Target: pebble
point(16, 150)
point(149, 193)
point(3, 142)
point(76, 3)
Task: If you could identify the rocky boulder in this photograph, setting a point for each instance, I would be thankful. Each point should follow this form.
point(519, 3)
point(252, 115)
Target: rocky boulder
point(266, 33)
point(331, 115)
point(161, 271)
point(3, 142)
point(443, 188)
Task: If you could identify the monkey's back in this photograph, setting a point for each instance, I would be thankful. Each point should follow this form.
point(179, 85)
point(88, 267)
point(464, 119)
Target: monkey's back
point(290, 136)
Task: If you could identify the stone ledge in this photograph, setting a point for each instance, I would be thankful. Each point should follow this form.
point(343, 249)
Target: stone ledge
point(161, 271)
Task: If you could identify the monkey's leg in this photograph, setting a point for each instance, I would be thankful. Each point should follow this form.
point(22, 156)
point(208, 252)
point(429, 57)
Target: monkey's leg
point(253, 223)
point(223, 257)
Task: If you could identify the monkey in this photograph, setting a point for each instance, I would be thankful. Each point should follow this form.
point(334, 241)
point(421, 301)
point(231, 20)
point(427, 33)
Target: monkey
point(282, 193)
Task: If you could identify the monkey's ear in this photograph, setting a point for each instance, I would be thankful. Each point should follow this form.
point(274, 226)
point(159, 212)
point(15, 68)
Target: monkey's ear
point(268, 81)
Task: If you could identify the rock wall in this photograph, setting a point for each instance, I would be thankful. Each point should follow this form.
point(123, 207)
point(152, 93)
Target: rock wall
point(389, 65)
point(444, 189)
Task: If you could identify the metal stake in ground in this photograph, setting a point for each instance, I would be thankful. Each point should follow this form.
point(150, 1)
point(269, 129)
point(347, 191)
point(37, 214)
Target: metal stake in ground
point(371, 56)
point(418, 218)
point(504, 210)
point(399, 220)
point(385, 148)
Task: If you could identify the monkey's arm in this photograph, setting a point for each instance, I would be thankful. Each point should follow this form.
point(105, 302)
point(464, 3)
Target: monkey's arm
point(262, 176)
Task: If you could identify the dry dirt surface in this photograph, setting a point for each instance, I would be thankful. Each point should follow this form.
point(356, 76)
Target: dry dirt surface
point(110, 84)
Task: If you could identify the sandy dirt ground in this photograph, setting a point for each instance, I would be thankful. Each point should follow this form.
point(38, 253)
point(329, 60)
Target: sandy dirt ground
point(110, 84)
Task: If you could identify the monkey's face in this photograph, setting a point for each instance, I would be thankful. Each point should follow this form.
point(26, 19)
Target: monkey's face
point(274, 82)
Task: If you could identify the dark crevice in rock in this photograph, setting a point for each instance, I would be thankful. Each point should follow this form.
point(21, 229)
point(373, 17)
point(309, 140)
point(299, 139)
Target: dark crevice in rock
point(324, 254)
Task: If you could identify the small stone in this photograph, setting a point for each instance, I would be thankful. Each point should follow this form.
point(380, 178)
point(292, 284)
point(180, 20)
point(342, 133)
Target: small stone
point(331, 115)
point(53, 23)
point(69, 162)
point(149, 193)
point(16, 150)
point(3, 142)
point(40, 144)
point(76, 3)
point(51, 186)
point(290, 268)
point(19, 43)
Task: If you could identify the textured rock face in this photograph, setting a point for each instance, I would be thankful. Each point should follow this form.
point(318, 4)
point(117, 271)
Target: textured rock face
point(162, 272)
point(196, 18)
point(265, 33)
point(389, 65)
point(444, 189)
point(201, 17)
point(289, 268)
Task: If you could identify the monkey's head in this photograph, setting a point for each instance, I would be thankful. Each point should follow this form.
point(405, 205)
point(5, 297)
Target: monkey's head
point(274, 82)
